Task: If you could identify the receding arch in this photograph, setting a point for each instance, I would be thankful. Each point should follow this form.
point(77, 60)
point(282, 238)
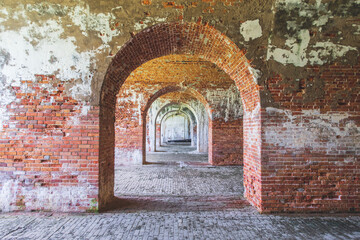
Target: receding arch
point(176, 103)
point(171, 115)
point(175, 112)
point(205, 42)
point(193, 116)
point(201, 144)
point(169, 89)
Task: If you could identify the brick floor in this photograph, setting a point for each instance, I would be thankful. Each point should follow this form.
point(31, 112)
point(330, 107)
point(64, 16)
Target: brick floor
point(178, 196)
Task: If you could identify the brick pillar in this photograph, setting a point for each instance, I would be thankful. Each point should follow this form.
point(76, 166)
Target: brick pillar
point(225, 142)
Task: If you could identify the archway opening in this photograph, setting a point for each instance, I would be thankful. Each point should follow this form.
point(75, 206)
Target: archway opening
point(198, 40)
point(184, 140)
point(190, 103)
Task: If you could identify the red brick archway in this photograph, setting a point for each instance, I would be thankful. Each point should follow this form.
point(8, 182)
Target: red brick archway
point(189, 91)
point(159, 117)
point(202, 41)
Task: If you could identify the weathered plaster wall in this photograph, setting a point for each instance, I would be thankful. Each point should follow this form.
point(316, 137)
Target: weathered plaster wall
point(288, 33)
point(304, 56)
point(317, 158)
point(49, 150)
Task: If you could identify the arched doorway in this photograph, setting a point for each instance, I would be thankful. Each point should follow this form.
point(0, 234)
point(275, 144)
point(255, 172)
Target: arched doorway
point(202, 102)
point(165, 109)
point(181, 38)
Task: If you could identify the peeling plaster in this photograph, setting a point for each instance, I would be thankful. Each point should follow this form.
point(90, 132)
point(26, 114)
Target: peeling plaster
point(41, 48)
point(48, 8)
point(129, 95)
point(59, 198)
point(256, 74)
point(293, 20)
point(100, 23)
point(357, 27)
point(326, 51)
point(251, 30)
point(295, 52)
point(228, 101)
point(8, 195)
point(312, 130)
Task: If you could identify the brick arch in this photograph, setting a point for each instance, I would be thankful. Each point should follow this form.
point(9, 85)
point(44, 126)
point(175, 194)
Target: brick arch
point(176, 103)
point(163, 39)
point(174, 112)
point(196, 39)
point(193, 112)
point(169, 89)
point(175, 88)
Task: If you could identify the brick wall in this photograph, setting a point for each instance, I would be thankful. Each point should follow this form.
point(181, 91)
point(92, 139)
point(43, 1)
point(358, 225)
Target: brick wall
point(310, 147)
point(49, 150)
point(158, 134)
point(225, 142)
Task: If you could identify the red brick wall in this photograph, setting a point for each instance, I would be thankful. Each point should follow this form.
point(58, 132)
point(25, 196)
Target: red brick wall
point(226, 142)
point(49, 150)
point(310, 147)
point(252, 158)
point(158, 135)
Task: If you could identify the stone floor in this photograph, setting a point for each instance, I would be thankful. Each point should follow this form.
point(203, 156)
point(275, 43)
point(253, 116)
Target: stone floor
point(177, 195)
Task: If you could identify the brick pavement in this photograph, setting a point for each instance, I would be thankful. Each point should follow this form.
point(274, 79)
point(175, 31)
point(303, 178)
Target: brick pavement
point(179, 200)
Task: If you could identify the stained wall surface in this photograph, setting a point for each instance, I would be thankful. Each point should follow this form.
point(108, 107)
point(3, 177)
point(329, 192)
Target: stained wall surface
point(301, 145)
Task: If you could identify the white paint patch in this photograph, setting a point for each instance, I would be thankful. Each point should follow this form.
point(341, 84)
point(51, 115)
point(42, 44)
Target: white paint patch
point(85, 110)
point(314, 130)
point(251, 30)
point(255, 73)
point(327, 51)
point(61, 198)
point(2, 19)
point(47, 8)
point(357, 27)
point(8, 196)
point(87, 21)
point(252, 133)
point(321, 21)
point(6, 97)
point(295, 52)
